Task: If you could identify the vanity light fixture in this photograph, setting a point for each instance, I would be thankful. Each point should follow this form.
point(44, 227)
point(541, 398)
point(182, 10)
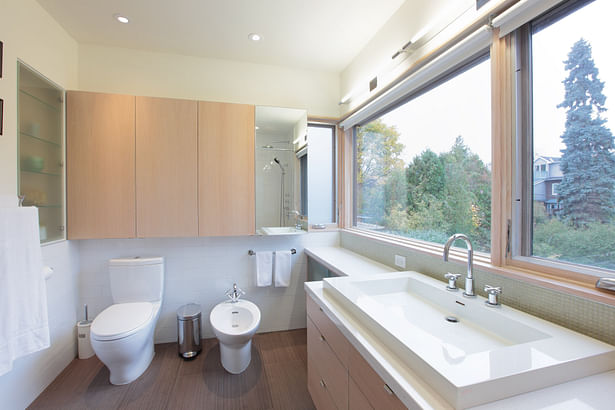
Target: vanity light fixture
point(255, 36)
point(121, 19)
point(257, 127)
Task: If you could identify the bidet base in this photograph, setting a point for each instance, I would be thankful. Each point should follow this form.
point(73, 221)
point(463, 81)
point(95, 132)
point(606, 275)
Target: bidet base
point(236, 358)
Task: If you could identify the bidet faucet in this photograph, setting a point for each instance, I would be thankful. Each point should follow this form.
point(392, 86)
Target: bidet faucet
point(469, 291)
point(235, 293)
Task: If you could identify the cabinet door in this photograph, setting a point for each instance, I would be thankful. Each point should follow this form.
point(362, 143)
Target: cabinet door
point(226, 169)
point(100, 171)
point(166, 167)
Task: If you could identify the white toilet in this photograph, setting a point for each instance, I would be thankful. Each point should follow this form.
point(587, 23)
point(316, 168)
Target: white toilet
point(122, 335)
point(234, 323)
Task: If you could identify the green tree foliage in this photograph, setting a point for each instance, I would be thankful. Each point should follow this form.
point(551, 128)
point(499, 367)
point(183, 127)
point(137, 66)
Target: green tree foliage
point(380, 150)
point(435, 196)
point(587, 191)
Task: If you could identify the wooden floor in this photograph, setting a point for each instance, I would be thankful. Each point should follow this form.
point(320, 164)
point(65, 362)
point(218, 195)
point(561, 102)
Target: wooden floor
point(275, 379)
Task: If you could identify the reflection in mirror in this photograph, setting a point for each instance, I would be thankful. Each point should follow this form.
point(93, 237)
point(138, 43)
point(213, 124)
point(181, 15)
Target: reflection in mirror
point(321, 175)
point(278, 201)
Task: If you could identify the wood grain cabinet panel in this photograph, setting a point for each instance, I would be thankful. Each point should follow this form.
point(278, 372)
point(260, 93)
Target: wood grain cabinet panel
point(166, 167)
point(226, 169)
point(334, 337)
point(356, 398)
point(377, 392)
point(100, 165)
point(332, 372)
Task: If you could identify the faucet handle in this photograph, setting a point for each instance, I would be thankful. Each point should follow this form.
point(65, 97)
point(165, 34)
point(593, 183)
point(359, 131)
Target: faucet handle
point(492, 295)
point(452, 280)
point(235, 293)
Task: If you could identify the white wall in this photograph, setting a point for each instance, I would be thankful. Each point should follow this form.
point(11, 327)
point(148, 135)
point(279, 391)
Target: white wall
point(200, 270)
point(31, 35)
point(119, 70)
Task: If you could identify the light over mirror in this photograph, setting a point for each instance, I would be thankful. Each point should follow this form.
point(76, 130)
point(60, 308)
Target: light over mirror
point(293, 159)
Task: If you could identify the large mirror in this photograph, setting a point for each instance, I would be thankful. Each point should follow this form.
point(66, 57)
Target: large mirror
point(295, 172)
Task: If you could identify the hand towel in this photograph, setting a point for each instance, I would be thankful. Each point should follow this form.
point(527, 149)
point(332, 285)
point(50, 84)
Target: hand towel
point(282, 269)
point(24, 327)
point(264, 271)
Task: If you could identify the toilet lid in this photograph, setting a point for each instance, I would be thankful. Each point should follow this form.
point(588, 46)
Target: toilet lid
point(121, 320)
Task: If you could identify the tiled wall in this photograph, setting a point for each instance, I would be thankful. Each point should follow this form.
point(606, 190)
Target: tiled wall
point(582, 315)
point(200, 270)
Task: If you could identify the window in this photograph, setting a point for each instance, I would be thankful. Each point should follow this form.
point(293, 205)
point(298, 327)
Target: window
point(423, 169)
point(571, 92)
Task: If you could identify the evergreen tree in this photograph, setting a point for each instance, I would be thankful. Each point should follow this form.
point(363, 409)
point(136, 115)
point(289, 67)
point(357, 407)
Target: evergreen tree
point(587, 190)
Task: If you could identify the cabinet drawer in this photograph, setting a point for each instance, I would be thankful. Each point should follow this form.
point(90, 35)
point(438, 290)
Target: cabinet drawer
point(377, 392)
point(318, 390)
point(331, 333)
point(356, 398)
point(331, 371)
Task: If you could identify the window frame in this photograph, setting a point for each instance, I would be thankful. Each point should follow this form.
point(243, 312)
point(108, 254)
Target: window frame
point(522, 217)
point(509, 117)
point(465, 65)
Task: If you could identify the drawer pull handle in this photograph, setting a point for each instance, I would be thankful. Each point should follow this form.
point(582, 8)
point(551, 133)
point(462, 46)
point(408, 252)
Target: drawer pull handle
point(322, 384)
point(388, 390)
point(322, 338)
point(319, 308)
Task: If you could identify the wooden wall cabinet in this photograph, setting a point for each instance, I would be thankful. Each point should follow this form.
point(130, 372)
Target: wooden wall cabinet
point(158, 167)
point(166, 167)
point(100, 165)
point(226, 169)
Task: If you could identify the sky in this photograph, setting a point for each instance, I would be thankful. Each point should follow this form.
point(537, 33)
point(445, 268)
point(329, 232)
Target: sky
point(462, 106)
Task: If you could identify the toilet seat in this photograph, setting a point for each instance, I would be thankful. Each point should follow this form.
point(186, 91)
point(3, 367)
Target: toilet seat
point(121, 320)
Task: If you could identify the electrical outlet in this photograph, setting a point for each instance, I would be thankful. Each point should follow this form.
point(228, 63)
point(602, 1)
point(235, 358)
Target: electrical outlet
point(400, 261)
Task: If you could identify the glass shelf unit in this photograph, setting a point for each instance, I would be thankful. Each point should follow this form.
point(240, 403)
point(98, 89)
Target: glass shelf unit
point(40, 119)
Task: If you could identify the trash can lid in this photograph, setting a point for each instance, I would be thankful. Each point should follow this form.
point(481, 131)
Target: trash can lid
point(189, 311)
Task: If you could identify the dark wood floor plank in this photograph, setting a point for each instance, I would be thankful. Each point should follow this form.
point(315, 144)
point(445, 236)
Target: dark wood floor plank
point(152, 389)
point(275, 379)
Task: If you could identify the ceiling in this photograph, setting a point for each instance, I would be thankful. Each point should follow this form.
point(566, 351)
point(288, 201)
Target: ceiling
point(322, 35)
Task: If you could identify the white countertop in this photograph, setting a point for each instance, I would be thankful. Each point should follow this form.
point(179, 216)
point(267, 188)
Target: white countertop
point(593, 392)
point(346, 263)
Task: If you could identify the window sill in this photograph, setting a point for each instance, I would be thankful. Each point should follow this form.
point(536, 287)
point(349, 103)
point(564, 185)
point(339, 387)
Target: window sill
point(565, 281)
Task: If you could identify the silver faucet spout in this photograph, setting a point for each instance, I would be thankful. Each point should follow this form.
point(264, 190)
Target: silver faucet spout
point(469, 291)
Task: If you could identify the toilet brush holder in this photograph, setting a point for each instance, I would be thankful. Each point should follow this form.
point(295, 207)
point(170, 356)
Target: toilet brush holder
point(84, 346)
point(83, 339)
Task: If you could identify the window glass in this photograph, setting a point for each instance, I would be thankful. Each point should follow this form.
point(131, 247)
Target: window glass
point(423, 170)
point(573, 77)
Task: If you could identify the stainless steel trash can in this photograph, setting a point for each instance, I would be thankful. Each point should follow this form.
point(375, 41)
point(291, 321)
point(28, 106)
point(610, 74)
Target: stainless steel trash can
point(189, 330)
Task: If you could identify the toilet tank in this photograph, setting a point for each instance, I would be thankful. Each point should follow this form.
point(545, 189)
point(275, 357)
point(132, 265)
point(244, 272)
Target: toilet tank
point(136, 279)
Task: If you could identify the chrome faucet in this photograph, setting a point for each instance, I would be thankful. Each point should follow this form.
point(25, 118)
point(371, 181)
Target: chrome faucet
point(469, 291)
point(235, 293)
point(297, 217)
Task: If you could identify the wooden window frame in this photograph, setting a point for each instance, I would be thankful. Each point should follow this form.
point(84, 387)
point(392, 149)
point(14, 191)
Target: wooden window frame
point(509, 117)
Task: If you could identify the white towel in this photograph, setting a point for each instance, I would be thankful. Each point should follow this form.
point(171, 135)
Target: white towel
point(282, 269)
point(264, 271)
point(23, 295)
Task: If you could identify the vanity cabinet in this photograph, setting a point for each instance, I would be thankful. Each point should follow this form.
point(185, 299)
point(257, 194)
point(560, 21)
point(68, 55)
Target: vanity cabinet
point(166, 167)
point(226, 169)
point(338, 376)
point(100, 165)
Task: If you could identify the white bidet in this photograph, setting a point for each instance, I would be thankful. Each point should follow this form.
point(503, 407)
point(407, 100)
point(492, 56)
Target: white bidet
point(234, 322)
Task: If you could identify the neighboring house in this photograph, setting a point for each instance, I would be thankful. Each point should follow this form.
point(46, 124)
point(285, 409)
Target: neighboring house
point(547, 176)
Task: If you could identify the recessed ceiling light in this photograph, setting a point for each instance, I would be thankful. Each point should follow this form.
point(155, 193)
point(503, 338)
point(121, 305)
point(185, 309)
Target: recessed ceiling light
point(121, 19)
point(254, 36)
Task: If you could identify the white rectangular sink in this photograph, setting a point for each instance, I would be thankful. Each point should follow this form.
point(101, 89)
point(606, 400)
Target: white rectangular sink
point(490, 352)
point(281, 230)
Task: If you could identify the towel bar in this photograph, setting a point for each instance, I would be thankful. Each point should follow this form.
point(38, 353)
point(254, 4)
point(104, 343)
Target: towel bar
point(252, 253)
